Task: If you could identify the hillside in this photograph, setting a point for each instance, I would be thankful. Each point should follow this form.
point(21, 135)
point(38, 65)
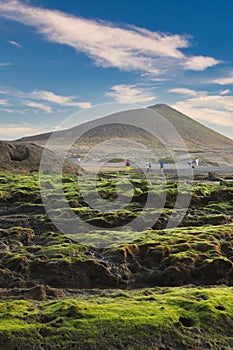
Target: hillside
point(195, 135)
point(26, 157)
point(192, 131)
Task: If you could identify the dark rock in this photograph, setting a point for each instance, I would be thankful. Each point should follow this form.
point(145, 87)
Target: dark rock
point(74, 311)
point(26, 158)
point(227, 249)
point(38, 292)
point(78, 274)
point(9, 279)
point(214, 272)
point(173, 276)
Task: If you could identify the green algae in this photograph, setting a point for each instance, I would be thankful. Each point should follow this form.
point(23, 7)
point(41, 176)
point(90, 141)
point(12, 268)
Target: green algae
point(178, 317)
point(137, 319)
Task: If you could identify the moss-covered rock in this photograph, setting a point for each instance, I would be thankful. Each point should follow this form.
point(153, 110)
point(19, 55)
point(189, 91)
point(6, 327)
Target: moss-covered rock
point(38, 263)
point(161, 318)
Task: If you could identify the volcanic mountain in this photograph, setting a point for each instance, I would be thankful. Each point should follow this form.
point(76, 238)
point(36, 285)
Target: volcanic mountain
point(195, 135)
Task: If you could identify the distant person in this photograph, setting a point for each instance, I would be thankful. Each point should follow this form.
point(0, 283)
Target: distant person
point(161, 165)
point(127, 165)
point(197, 161)
point(148, 166)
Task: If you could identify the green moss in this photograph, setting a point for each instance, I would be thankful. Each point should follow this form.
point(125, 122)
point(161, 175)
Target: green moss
point(138, 319)
point(70, 250)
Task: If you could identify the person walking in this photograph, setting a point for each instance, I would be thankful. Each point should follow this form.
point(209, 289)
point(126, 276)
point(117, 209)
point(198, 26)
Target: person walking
point(161, 165)
point(148, 166)
point(127, 165)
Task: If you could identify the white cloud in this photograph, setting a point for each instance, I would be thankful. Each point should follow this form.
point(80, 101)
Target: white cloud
point(38, 106)
point(15, 131)
point(225, 92)
point(130, 94)
point(4, 102)
point(214, 109)
point(184, 91)
point(200, 63)
point(224, 80)
point(15, 43)
point(10, 110)
point(109, 45)
point(43, 95)
point(58, 99)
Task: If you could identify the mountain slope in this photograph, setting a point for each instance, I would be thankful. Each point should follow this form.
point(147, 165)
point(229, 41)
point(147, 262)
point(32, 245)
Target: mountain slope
point(191, 130)
point(25, 158)
point(195, 135)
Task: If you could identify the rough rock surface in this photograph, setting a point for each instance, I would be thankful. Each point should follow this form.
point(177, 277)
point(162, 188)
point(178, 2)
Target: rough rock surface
point(26, 157)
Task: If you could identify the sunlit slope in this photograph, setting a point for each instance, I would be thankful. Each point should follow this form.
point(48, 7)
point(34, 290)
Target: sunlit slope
point(195, 135)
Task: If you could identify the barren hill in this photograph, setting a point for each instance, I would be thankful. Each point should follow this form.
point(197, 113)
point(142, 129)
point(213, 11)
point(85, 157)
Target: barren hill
point(195, 135)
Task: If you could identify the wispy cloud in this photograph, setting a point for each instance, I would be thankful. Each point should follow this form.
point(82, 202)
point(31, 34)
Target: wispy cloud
point(108, 45)
point(225, 92)
point(227, 80)
point(68, 101)
point(5, 64)
point(130, 94)
point(38, 106)
point(11, 110)
point(214, 109)
point(15, 43)
point(34, 99)
point(200, 63)
point(184, 91)
point(15, 131)
point(4, 102)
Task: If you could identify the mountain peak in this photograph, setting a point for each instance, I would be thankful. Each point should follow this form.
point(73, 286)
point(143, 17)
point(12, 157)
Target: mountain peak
point(160, 106)
point(195, 135)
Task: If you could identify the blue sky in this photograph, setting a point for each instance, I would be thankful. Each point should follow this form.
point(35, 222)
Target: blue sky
point(59, 57)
